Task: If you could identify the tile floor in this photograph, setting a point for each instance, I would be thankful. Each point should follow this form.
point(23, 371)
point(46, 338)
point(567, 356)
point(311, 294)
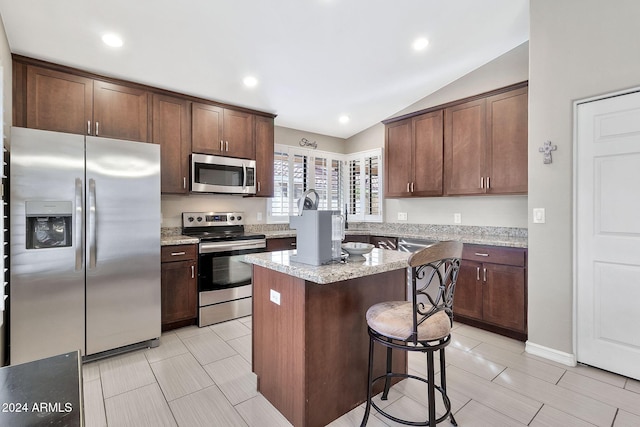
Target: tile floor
point(202, 377)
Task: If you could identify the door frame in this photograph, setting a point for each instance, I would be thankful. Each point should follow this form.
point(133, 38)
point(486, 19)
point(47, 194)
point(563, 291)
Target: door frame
point(574, 226)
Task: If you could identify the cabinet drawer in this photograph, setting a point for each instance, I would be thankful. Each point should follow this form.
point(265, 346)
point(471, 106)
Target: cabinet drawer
point(178, 253)
point(495, 254)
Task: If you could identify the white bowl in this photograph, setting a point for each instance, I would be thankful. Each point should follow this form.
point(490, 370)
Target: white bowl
point(356, 250)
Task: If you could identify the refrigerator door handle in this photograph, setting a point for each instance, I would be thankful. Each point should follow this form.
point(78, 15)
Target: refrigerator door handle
point(92, 223)
point(79, 226)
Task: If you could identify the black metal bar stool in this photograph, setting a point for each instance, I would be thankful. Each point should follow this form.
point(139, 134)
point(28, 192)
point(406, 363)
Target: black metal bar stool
point(422, 324)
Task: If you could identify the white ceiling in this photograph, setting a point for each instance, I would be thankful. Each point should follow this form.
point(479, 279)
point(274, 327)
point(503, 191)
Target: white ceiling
point(315, 59)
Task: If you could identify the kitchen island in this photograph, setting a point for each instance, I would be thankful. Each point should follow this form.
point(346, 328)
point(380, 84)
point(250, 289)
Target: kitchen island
point(310, 340)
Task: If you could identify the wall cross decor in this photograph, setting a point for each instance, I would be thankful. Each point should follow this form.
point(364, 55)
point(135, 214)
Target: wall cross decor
point(547, 148)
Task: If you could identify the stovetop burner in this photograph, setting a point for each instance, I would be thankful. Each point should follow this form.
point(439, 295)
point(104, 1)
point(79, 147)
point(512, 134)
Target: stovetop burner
point(216, 226)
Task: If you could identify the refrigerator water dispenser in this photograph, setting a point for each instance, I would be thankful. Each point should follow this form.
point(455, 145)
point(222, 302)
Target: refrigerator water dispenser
point(48, 224)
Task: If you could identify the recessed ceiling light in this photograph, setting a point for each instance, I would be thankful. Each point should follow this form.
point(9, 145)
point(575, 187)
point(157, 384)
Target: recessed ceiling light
point(112, 40)
point(343, 119)
point(250, 81)
point(420, 43)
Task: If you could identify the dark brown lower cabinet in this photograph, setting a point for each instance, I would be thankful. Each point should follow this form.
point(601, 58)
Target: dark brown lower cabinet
point(179, 286)
point(491, 291)
point(281, 244)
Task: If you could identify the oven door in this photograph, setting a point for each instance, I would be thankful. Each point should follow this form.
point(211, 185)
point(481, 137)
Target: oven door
point(216, 174)
point(224, 281)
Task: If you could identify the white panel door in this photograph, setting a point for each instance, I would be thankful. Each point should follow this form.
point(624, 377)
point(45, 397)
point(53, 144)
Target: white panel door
point(607, 244)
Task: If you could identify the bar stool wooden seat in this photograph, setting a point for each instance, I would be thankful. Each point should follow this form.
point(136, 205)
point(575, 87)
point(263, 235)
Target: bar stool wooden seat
point(422, 324)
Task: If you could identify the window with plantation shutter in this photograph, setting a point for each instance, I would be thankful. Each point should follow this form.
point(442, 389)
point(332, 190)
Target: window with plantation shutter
point(297, 170)
point(364, 186)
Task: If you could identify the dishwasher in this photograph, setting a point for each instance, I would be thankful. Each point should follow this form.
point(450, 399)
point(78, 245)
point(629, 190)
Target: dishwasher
point(413, 245)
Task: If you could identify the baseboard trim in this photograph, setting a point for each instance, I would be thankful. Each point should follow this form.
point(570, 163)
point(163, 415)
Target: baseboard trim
point(550, 353)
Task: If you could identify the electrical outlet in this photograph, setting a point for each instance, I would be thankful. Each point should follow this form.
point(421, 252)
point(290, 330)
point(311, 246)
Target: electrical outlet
point(539, 216)
point(402, 216)
point(259, 216)
point(457, 218)
point(274, 296)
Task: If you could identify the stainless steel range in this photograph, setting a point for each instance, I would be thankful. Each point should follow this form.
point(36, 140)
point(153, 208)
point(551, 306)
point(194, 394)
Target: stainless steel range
point(224, 281)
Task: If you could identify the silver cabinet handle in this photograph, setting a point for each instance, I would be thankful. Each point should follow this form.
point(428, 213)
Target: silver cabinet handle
point(484, 274)
point(184, 182)
point(488, 183)
point(97, 127)
point(88, 127)
point(412, 187)
point(482, 182)
point(478, 273)
point(258, 186)
point(226, 144)
point(79, 227)
point(221, 145)
point(408, 188)
point(178, 253)
point(92, 224)
point(193, 272)
point(480, 254)
point(293, 244)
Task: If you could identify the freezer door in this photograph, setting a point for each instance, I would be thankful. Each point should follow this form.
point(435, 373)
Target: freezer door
point(122, 244)
point(47, 280)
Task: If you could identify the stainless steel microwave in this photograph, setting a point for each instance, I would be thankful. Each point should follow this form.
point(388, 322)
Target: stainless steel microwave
point(217, 174)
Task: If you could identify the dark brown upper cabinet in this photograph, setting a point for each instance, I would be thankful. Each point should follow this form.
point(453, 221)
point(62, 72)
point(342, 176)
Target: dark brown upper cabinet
point(222, 131)
point(65, 102)
point(413, 152)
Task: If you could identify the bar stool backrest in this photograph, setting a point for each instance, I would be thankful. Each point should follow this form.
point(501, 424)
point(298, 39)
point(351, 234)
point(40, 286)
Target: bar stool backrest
point(432, 273)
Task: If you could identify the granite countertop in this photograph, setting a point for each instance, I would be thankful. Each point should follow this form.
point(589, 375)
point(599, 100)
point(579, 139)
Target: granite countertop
point(479, 239)
point(378, 261)
point(494, 236)
point(178, 239)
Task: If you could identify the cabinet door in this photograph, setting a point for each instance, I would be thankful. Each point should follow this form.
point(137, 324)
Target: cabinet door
point(504, 296)
point(281, 244)
point(179, 291)
point(507, 138)
point(427, 154)
point(464, 148)
point(172, 130)
point(238, 134)
point(264, 135)
point(206, 129)
point(467, 299)
point(120, 112)
point(58, 101)
point(398, 159)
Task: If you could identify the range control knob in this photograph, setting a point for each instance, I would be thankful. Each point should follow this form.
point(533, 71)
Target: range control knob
point(199, 219)
point(231, 218)
point(190, 219)
point(239, 218)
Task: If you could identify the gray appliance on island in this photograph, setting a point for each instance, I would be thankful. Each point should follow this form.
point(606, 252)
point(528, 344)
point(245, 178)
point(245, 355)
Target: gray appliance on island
point(85, 245)
point(319, 234)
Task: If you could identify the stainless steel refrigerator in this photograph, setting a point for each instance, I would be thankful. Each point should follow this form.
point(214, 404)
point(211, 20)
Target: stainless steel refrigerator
point(85, 244)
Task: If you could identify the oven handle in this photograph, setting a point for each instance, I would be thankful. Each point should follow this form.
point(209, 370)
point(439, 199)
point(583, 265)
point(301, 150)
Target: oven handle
point(210, 247)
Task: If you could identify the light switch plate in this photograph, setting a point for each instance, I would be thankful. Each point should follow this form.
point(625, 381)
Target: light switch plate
point(274, 296)
point(457, 218)
point(539, 216)
point(259, 216)
point(402, 216)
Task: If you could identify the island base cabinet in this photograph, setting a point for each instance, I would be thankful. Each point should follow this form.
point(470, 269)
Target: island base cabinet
point(310, 349)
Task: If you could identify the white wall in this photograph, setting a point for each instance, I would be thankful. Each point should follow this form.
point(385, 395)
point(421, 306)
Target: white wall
point(578, 49)
point(503, 211)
